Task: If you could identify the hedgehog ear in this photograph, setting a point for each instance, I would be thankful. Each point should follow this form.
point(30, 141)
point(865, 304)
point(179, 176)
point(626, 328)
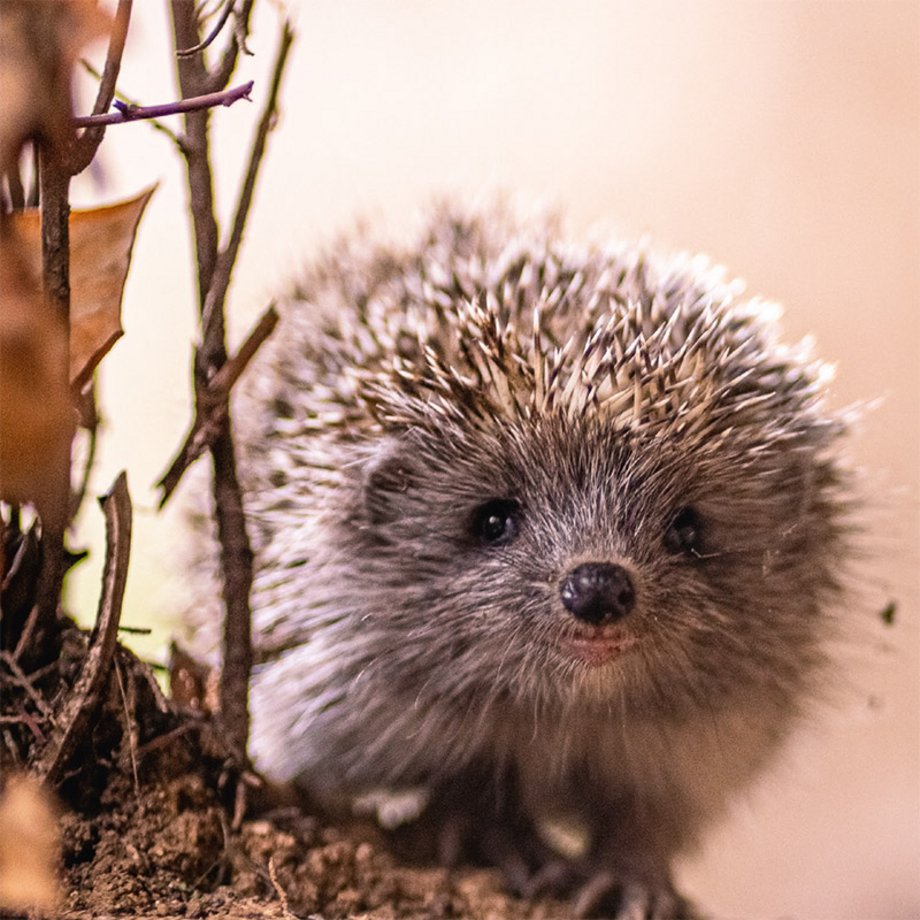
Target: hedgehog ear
point(387, 475)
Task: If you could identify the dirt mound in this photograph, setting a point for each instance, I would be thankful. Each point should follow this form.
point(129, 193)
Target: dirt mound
point(147, 804)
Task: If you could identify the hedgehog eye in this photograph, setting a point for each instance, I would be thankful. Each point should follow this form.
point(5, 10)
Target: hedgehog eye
point(497, 521)
point(684, 535)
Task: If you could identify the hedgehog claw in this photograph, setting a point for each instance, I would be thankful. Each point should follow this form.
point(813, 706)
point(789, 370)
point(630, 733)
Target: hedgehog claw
point(629, 900)
point(596, 893)
point(552, 877)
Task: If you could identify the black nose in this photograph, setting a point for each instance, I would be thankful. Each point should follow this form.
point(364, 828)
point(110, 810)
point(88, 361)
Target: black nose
point(598, 592)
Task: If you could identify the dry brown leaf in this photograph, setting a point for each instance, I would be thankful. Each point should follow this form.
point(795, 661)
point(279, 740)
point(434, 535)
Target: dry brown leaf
point(40, 43)
point(36, 415)
point(29, 847)
point(101, 240)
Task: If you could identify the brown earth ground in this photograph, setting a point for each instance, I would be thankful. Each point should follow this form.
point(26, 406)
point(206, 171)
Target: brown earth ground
point(147, 825)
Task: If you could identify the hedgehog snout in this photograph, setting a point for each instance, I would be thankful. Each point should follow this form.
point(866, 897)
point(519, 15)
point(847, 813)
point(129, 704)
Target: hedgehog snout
point(598, 592)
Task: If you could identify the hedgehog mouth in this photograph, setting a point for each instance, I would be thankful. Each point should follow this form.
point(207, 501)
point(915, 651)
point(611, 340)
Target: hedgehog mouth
point(597, 645)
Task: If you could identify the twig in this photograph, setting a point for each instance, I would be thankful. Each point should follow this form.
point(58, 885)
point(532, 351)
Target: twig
point(129, 112)
point(83, 151)
point(19, 621)
point(221, 22)
point(211, 356)
point(129, 711)
point(27, 719)
point(222, 382)
point(212, 405)
point(77, 497)
point(55, 230)
point(28, 630)
point(114, 54)
point(17, 587)
point(222, 73)
point(57, 162)
point(158, 697)
point(161, 741)
point(282, 895)
point(19, 676)
point(193, 81)
point(236, 552)
point(55, 213)
point(24, 718)
point(155, 123)
point(236, 566)
point(217, 291)
point(80, 704)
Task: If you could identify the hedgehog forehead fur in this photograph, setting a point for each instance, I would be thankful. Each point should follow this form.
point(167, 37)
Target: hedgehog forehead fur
point(488, 324)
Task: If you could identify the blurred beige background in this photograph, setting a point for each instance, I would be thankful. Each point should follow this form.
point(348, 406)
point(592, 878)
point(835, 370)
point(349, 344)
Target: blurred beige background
point(781, 138)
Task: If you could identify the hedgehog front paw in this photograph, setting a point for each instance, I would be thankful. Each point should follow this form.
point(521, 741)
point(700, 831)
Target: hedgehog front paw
point(600, 893)
point(509, 845)
point(605, 895)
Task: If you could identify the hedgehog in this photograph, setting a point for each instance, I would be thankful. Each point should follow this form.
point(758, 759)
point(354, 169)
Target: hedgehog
point(548, 540)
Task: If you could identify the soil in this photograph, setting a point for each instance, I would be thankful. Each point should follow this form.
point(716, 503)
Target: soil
point(147, 822)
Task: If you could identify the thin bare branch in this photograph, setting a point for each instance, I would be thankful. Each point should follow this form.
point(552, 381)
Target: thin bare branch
point(236, 566)
point(89, 420)
point(23, 681)
point(193, 81)
point(86, 145)
point(55, 212)
point(213, 404)
point(227, 376)
point(130, 112)
point(225, 12)
point(286, 912)
point(80, 704)
point(129, 710)
point(236, 552)
point(154, 123)
point(114, 54)
point(211, 356)
point(26, 637)
point(220, 282)
point(221, 74)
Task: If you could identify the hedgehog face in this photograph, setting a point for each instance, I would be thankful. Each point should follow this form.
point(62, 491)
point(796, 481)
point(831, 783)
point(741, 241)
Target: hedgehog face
point(627, 563)
point(515, 500)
